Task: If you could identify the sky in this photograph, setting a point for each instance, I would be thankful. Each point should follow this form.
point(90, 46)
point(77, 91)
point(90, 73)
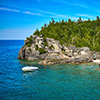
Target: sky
point(20, 18)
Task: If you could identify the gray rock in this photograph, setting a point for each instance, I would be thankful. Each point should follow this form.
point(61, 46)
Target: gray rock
point(42, 56)
point(26, 41)
point(85, 49)
point(52, 56)
point(70, 54)
point(74, 54)
point(31, 58)
point(21, 53)
point(72, 48)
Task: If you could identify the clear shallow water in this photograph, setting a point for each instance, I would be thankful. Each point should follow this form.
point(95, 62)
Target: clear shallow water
point(54, 82)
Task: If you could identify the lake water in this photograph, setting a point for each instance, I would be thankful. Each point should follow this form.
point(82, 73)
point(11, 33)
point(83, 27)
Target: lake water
point(54, 82)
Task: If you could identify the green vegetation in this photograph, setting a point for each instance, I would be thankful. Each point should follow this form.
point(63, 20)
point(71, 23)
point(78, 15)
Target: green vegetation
point(51, 47)
point(41, 50)
point(30, 49)
point(45, 42)
point(79, 33)
point(63, 50)
point(36, 47)
point(30, 41)
point(28, 44)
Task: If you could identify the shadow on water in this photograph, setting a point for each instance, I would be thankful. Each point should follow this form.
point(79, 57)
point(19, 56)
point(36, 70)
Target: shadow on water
point(30, 73)
point(26, 62)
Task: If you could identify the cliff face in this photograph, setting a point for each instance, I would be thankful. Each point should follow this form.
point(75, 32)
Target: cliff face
point(37, 48)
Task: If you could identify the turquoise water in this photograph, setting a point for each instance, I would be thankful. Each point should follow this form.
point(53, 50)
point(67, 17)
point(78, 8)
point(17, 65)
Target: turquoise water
point(54, 82)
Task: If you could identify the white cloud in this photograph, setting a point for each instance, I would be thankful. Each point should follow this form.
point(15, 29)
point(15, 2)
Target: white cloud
point(50, 14)
point(29, 13)
point(80, 5)
point(26, 12)
point(75, 18)
point(44, 13)
point(85, 15)
point(14, 10)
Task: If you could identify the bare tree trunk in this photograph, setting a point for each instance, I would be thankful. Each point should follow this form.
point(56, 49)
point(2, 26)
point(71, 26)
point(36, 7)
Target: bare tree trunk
point(72, 40)
point(93, 42)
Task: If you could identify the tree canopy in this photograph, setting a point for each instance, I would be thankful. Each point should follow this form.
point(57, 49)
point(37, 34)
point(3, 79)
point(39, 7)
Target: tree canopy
point(79, 33)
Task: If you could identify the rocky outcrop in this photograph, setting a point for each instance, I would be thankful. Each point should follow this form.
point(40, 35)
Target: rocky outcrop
point(32, 52)
point(50, 50)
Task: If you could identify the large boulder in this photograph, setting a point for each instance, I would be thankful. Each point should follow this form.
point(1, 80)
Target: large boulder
point(70, 54)
point(86, 49)
point(21, 54)
point(72, 47)
point(43, 56)
point(53, 55)
point(81, 59)
point(55, 44)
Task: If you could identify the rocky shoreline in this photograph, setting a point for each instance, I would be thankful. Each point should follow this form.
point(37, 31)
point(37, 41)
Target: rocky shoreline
point(52, 52)
point(66, 61)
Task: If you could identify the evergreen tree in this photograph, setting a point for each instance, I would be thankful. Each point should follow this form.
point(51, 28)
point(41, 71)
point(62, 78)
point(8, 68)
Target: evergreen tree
point(79, 33)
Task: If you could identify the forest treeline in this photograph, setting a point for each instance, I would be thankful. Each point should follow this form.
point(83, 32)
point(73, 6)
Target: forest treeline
point(79, 33)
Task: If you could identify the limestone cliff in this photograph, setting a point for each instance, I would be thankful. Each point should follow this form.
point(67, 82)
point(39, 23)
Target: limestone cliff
point(34, 51)
point(38, 48)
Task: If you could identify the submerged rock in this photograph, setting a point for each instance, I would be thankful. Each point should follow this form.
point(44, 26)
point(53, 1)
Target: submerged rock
point(98, 69)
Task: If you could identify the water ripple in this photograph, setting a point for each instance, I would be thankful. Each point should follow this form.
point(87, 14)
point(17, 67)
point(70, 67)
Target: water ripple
point(54, 82)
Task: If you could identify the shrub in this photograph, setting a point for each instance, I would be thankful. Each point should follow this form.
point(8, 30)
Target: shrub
point(63, 50)
point(29, 49)
point(51, 47)
point(28, 44)
point(45, 42)
point(36, 47)
point(41, 50)
point(30, 41)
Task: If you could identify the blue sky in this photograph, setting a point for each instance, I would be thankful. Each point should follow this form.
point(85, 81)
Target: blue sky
point(20, 18)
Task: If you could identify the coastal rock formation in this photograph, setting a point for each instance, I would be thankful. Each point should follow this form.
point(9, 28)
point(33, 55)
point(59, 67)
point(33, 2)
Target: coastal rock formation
point(34, 51)
point(52, 52)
